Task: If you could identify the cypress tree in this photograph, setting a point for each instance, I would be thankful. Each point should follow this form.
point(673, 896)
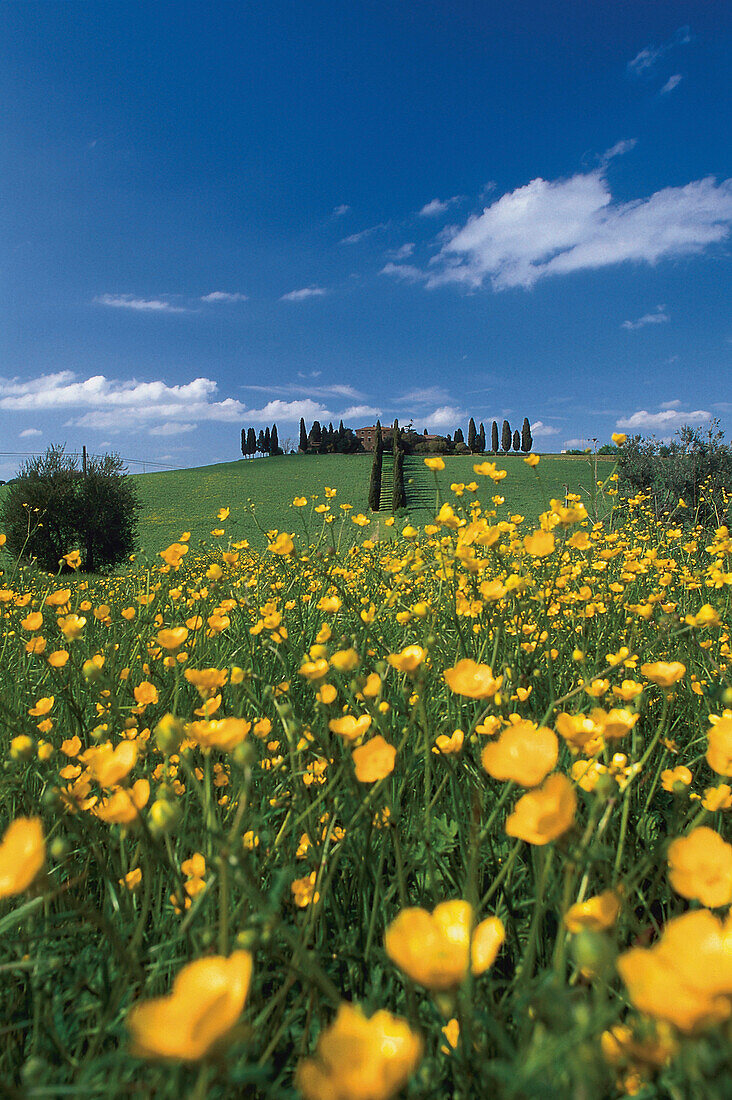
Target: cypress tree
point(244, 441)
point(399, 499)
point(471, 435)
point(506, 436)
point(516, 441)
point(494, 438)
point(459, 437)
point(375, 483)
point(267, 442)
point(303, 445)
point(316, 433)
point(274, 441)
point(481, 440)
point(526, 440)
point(260, 442)
point(251, 442)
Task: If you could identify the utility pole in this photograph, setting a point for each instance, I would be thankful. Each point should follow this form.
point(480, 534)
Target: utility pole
point(83, 459)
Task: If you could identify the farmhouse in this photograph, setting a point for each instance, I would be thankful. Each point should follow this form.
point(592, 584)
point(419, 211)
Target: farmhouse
point(368, 436)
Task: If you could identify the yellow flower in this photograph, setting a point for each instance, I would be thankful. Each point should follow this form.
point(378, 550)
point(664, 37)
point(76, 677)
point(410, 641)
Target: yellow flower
point(71, 626)
point(523, 753)
point(326, 694)
point(435, 949)
point(123, 806)
point(489, 469)
point(132, 879)
point(43, 706)
point(304, 892)
point(409, 660)
point(718, 798)
point(206, 1001)
point(222, 514)
point(345, 660)
point(58, 598)
point(545, 813)
point(532, 460)
point(540, 544)
point(329, 604)
point(314, 670)
point(360, 1059)
point(72, 559)
point(374, 760)
point(685, 978)
point(300, 502)
point(628, 690)
point(108, 766)
point(471, 679)
point(448, 746)
point(145, 693)
point(700, 867)
point(173, 638)
point(22, 854)
point(664, 673)
point(282, 545)
point(206, 681)
point(34, 621)
point(222, 733)
point(172, 554)
point(618, 438)
point(719, 750)
point(435, 463)
point(670, 777)
point(595, 915)
point(349, 727)
point(615, 723)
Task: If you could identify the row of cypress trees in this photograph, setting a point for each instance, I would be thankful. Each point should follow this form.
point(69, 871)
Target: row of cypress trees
point(266, 443)
point(518, 441)
point(399, 496)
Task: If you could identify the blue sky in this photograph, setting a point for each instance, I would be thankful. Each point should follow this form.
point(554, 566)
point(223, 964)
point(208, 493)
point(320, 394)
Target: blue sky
point(221, 214)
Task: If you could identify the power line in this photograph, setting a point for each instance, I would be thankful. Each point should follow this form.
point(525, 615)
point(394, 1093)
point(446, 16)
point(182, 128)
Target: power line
point(79, 454)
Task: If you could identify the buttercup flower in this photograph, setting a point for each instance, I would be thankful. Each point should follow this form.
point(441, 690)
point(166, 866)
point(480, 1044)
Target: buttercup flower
point(374, 760)
point(545, 813)
point(409, 660)
point(473, 680)
point(719, 751)
point(349, 726)
point(685, 978)
point(664, 673)
point(206, 1001)
point(435, 949)
point(524, 753)
point(22, 854)
point(700, 867)
point(596, 914)
point(360, 1059)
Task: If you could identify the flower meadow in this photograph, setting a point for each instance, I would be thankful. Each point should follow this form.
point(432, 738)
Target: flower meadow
point(379, 811)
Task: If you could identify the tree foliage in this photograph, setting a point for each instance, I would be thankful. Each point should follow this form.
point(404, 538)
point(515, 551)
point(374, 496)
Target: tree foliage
point(694, 468)
point(494, 438)
point(527, 441)
point(506, 437)
point(52, 508)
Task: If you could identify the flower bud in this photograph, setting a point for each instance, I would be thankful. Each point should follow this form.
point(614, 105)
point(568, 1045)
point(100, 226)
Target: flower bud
point(169, 734)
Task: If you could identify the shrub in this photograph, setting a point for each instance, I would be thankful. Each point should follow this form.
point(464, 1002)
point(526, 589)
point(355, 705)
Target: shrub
point(695, 468)
point(53, 507)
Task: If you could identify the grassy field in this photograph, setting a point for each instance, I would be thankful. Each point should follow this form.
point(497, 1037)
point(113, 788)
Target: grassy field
point(190, 498)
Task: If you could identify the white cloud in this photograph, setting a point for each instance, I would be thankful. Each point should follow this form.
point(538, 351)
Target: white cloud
point(645, 60)
point(656, 318)
point(539, 429)
point(360, 412)
point(143, 305)
point(402, 253)
point(354, 238)
point(618, 149)
point(576, 443)
point(291, 410)
point(172, 427)
point(437, 206)
point(563, 226)
point(448, 417)
point(671, 83)
point(431, 395)
point(339, 211)
point(305, 292)
point(29, 433)
point(666, 422)
point(408, 272)
point(224, 296)
point(671, 404)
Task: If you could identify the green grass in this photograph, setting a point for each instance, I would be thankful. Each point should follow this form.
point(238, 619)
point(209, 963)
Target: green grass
point(188, 500)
